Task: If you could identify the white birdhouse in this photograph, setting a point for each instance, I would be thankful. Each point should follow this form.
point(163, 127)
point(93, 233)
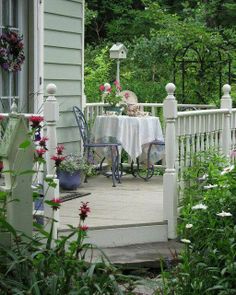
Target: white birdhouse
point(118, 51)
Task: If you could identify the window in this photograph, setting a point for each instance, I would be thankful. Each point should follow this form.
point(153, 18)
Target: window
point(13, 86)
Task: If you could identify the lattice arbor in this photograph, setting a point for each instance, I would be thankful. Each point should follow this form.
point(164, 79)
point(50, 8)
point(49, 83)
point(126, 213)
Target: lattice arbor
point(200, 72)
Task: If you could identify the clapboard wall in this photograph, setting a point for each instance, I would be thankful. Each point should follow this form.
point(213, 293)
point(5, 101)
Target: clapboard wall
point(63, 62)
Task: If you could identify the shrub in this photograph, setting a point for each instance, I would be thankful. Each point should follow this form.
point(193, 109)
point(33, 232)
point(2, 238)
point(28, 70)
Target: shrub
point(207, 227)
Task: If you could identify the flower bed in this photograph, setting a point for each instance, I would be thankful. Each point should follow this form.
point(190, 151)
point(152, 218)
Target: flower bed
point(208, 229)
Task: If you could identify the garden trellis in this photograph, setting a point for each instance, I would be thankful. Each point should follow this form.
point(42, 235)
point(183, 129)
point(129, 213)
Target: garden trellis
point(194, 64)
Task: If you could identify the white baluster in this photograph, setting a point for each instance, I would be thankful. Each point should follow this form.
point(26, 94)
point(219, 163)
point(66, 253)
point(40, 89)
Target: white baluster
point(198, 132)
point(51, 115)
point(170, 177)
point(202, 132)
point(226, 103)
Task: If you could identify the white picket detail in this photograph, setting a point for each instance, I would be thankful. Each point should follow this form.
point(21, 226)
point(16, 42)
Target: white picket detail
point(51, 116)
point(195, 131)
point(92, 110)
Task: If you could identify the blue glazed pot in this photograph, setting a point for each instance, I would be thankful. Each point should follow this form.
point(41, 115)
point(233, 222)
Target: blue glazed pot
point(117, 110)
point(68, 180)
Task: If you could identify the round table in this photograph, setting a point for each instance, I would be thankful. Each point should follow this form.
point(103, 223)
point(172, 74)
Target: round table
point(133, 133)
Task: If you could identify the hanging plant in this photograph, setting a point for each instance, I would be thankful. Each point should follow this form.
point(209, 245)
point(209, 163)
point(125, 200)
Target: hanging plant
point(11, 50)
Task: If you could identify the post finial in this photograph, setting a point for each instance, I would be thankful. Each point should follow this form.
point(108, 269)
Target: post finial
point(226, 89)
point(14, 107)
point(51, 89)
point(170, 88)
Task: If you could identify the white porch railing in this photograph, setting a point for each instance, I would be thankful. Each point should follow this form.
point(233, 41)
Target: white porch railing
point(189, 132)
point(51, 116)
point(185, 133)
point(94, 109)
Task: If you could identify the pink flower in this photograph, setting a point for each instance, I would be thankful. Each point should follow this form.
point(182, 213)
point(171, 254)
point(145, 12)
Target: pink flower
point(102, 87)
point(84, 227)
point(1, 117)
point(233, 153)
point(84, 210)
point(126, 95)
point(109, 89)
point(117, 84)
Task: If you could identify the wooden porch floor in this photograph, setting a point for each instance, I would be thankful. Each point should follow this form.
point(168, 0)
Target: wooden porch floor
point(132, 202)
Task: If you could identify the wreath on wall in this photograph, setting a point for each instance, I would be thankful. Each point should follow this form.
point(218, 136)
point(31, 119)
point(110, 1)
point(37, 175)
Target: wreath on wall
point(11, 50)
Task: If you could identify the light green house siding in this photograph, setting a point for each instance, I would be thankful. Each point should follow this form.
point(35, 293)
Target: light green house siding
point(63, 63)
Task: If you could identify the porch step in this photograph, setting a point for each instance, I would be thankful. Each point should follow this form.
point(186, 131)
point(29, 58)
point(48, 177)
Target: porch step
point(148, 255)
point(115, 236)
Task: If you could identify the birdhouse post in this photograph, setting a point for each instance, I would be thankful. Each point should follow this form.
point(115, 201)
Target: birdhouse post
point(118, 51)
point(17, 153)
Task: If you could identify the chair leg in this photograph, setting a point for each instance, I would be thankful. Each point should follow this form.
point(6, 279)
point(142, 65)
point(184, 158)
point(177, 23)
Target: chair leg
point(113, 168)
point(88, 156)
point(133, 172)
point(150, 167)
point(117, 164)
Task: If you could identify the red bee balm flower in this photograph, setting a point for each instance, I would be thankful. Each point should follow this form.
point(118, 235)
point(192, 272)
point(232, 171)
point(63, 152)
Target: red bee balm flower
point(35, 121)
point(42, 142)
point(84, 210)
point(60, 149)
point(58, 159)
point(56, 203)
point(1, 166)
point(84, 227)
point(40, 152)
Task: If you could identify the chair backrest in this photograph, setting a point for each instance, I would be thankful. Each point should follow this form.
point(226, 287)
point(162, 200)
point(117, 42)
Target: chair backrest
point(83, 126)
point(129, 97)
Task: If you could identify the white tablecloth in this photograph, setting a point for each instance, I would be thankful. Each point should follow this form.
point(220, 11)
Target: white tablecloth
point(132, 132)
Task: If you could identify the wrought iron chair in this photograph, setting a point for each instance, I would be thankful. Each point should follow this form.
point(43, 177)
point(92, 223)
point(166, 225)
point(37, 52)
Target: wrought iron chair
point(88, 145)
point(150, 166)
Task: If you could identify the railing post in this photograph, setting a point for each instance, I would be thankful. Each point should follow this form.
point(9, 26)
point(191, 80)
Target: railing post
point(51, 116)
point(226, 103)
point(170, 175)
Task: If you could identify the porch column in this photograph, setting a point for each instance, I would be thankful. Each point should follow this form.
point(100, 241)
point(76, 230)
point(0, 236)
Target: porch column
point(226, 103)
point(170, 175)
point(51, 185)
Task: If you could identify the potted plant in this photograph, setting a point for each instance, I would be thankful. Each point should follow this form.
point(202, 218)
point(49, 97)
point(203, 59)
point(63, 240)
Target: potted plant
point(111, 96)
point(71, 171)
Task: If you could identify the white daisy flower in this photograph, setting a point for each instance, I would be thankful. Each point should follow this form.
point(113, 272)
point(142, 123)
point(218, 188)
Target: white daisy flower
point(227, 170)
point(185, 241)
point(210, 186)
point(188, 225)
point(203, 177)
point(199, 207)
point(224, 214)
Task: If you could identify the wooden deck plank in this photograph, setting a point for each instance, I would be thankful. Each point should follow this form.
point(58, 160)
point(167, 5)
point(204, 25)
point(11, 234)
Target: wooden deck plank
point(134, 201)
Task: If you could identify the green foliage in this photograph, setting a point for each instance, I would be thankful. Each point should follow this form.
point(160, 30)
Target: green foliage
point(157, 32)
point(73, 163)
point(208, 229)
point(31, 268)
point(97, 68)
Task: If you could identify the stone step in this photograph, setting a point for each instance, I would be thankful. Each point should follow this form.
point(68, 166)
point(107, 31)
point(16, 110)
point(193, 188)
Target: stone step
point(147, 255)
point(115, 236)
